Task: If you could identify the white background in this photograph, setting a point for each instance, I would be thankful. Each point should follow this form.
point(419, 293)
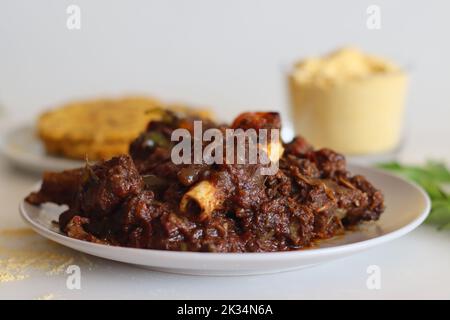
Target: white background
point(229, 55)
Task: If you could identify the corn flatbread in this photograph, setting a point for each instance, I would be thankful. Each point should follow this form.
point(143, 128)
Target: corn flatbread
point(100, 129)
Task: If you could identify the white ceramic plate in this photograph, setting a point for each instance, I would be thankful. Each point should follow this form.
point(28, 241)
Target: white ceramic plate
point(22, 148)
point(407, 206)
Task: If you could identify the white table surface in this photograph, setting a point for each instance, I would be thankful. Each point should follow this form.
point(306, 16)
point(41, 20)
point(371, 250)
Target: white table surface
point(415, 266)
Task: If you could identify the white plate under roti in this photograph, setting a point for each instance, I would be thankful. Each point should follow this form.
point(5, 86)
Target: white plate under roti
point(22, 148)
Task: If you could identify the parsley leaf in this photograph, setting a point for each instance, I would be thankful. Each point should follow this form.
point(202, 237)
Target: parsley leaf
point(434, 178)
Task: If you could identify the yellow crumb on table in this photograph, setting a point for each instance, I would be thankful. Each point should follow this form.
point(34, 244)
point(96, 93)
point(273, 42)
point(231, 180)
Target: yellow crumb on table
point(17, 232)
point(23, 252)
point(9, 277)
point(49, 296)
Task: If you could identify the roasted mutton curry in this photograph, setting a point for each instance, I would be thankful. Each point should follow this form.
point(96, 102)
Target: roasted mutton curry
point(145, 200)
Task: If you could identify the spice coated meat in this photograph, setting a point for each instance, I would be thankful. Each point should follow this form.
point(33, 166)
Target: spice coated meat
point(145, 200)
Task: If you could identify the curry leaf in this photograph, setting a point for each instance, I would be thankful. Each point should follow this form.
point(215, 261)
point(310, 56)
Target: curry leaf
point(432, 177)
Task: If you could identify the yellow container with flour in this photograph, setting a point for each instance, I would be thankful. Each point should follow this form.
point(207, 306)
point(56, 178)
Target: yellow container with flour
point(349, 101)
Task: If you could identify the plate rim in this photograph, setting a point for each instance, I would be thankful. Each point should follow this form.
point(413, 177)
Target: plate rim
point(31, 160)
point(245, 256)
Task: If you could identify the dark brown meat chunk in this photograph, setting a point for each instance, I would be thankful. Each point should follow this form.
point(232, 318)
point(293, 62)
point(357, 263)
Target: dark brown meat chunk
point(328, 161)
point(107, 185)
point(58, 187)
point(257, 120)
point(298, 147)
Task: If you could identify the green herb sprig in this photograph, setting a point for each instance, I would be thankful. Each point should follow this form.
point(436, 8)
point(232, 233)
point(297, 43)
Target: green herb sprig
point(434, 178)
